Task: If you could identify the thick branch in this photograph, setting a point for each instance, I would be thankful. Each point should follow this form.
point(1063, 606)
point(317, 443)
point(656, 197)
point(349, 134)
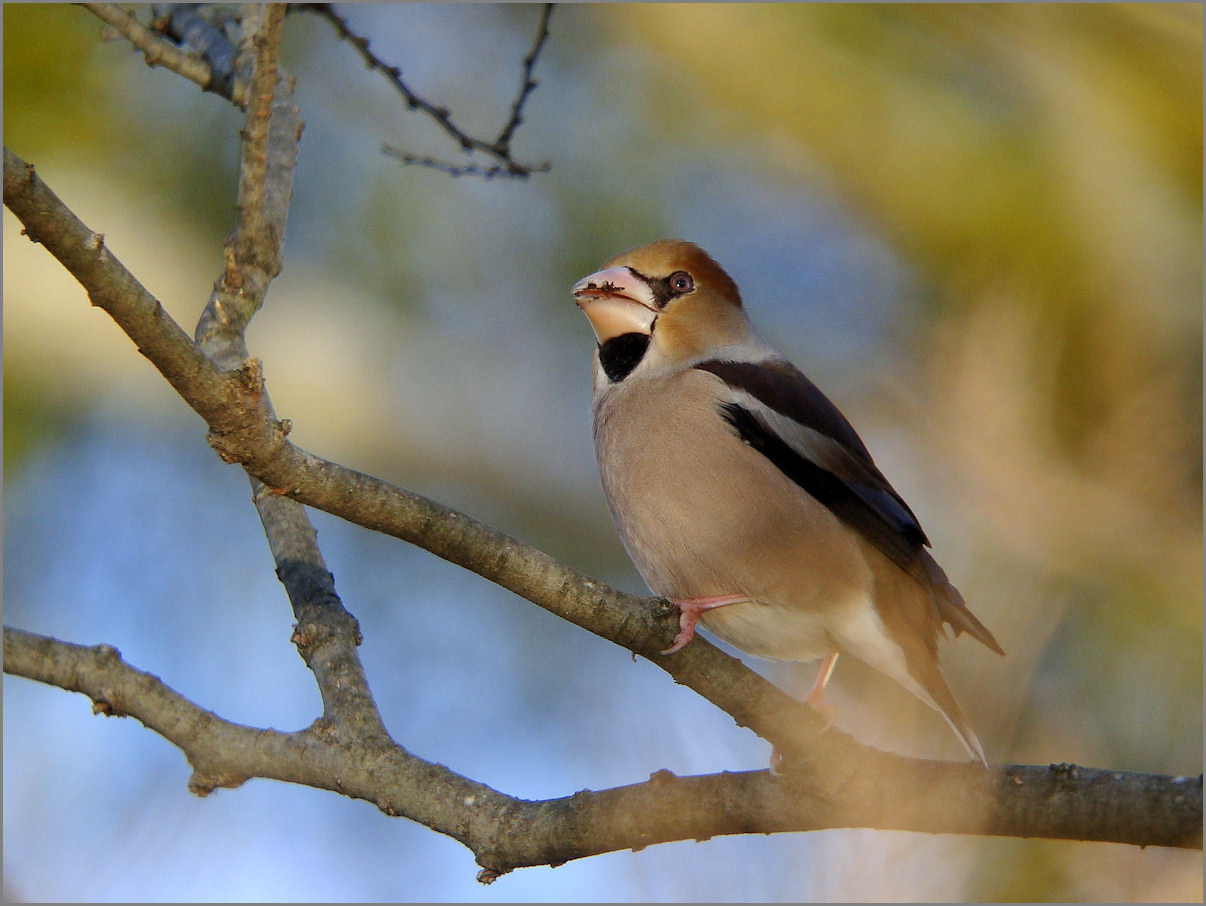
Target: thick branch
point(267, 160)
point(225, 754)
point(1059, 801)
point(326, 635)
point(111, 287)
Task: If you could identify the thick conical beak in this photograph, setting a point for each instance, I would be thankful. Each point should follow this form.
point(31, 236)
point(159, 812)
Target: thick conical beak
point(616, 301)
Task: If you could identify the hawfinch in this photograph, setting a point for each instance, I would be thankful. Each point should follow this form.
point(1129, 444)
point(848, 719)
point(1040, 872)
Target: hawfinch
point(744, 496)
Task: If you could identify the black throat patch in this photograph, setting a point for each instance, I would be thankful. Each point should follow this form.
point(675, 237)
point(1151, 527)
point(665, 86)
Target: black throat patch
point(621, 354)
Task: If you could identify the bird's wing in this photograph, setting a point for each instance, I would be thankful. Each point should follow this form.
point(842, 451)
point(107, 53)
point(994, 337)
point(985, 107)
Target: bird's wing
point(778, 411)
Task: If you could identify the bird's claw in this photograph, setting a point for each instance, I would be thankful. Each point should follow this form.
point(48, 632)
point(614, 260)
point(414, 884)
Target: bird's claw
point(689, 612)
point(686, 631)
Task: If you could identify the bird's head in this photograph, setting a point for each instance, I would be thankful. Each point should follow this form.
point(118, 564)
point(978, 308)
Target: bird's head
point(668, 299)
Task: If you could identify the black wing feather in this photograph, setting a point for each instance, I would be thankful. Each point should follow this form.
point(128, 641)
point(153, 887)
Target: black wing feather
point(847, 481)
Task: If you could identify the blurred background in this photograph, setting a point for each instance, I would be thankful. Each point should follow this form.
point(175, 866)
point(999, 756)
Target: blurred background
point(978, 228)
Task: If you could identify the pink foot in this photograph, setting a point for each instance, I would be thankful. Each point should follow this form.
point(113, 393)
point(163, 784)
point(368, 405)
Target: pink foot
point(689, 612)
point(816, 697)
point(816, 700)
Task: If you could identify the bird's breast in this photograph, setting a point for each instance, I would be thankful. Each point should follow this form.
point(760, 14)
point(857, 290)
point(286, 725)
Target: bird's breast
point(701, 513)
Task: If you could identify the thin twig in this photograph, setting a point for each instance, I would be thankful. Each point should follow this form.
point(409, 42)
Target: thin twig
point(456, 170)
point(526, 83)
point(499, 149)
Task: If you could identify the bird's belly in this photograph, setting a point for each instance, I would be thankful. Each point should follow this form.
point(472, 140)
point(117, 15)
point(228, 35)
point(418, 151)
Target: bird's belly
point(773, 631)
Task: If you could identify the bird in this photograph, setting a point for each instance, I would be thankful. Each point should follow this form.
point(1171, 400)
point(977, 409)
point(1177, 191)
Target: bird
point(745, 497)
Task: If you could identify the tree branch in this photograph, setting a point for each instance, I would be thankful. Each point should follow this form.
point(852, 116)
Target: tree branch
point(499, 149)
point(457, 170)
point(326, 634)
point(526, 83)
point(159, 52)
point(1059, 801)
point(831, 780)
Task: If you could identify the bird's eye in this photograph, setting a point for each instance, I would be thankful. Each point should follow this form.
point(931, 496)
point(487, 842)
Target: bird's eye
point(680, 282)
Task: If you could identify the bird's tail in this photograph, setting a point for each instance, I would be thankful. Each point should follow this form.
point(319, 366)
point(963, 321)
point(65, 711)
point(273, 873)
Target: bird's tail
point(941, 699)
point(922, 676)
point(953, 609)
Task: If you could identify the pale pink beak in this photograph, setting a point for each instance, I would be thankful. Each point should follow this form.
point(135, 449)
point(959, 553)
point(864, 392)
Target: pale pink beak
point(616, 301)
